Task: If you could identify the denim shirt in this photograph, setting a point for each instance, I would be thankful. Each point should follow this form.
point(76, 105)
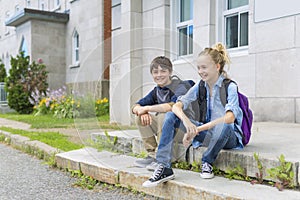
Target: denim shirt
point(215, 108)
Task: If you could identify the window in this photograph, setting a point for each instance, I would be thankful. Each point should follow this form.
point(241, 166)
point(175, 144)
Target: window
point(236, 23)
point(42, 5)
point(28, 3)
point(115, 14)
point(17, 8)
point(75, 49)
point(184, 27)
point(56, 3)
point(7, 15)
point(23, 47)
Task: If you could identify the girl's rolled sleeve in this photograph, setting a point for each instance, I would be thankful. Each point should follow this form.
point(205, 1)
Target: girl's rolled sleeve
point(189, 97)
point(233, 100)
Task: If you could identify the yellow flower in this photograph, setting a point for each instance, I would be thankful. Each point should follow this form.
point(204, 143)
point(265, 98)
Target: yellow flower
point(105, 100)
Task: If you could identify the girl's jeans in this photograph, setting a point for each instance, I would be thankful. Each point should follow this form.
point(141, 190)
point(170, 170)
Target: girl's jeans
point(222, 137)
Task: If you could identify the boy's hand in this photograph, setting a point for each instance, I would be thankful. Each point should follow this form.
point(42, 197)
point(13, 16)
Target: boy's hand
point(141, 110)
point(146, 119)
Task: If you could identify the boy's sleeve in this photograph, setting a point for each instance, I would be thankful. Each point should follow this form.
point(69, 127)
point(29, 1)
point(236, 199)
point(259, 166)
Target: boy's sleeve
point(147, 100)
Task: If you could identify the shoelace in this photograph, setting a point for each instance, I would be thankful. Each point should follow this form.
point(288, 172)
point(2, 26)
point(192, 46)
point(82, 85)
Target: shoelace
point(157, 172)
point(206, 167)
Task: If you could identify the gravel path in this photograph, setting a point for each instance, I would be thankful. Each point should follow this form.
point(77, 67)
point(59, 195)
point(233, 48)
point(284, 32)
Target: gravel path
point(25, 177)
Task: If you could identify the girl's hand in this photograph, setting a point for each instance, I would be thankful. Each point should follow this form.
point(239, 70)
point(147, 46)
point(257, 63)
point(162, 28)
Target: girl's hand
point(187, 140)
point(146, 119)
point(191, 128)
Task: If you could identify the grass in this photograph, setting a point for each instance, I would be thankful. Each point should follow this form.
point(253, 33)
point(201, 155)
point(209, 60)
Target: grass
point(48, 121)
point(42, 121)
point(53, 139)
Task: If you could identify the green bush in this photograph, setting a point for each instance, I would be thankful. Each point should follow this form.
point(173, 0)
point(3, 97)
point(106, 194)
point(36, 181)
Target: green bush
point(23, 82)
point(2, 72)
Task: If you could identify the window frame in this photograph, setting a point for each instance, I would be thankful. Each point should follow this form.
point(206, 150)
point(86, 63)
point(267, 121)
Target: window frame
point(116, 4)
point(184, 24)
point(42, 5)
point(27, 3)
point(75, 49)
point(7, 16)
point(234, 12)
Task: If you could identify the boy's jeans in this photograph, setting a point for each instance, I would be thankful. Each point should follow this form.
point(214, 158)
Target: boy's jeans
point(217, 140)
point(151, 134)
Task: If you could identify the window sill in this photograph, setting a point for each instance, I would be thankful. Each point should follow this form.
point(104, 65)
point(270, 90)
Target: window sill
point(237, 52)
point(56, 8)
point(183, 59)
point(71, 1)
point(74, 66)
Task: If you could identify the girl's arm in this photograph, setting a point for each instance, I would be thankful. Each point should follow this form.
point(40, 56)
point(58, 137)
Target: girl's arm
point(228, 118)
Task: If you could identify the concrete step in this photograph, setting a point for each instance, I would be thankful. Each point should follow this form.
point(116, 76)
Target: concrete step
point(118, 169)
point(130, 141)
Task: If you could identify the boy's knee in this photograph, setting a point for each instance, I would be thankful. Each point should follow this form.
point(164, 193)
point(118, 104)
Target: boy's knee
point(170, 116)
point(138, 121)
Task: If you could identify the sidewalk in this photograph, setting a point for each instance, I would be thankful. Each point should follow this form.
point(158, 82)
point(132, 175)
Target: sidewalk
point(269, 140)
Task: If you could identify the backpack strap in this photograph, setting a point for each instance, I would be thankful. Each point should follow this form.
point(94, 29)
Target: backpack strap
point(202, 102)
point(224, 90)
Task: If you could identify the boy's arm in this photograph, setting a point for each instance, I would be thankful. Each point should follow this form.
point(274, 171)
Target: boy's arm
point(164, 107)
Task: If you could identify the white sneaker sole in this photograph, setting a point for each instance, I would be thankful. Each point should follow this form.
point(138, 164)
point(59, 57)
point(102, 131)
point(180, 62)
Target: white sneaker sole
point(154, 184)
point(206, 175)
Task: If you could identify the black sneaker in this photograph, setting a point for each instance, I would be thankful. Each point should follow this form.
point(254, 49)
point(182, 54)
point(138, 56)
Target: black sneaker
point(143, 162)
point(160, 175)
point(207, 171)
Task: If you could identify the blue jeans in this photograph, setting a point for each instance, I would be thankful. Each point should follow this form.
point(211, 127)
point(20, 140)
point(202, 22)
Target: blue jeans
point(221, 136)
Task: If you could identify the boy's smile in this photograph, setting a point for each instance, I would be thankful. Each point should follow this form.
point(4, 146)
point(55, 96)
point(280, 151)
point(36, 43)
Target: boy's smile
point(161, 76)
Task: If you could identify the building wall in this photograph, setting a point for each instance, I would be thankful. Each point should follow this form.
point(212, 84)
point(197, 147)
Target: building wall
point(87, 20)
point(48, 44)
point(266, 71)
point(44, 40)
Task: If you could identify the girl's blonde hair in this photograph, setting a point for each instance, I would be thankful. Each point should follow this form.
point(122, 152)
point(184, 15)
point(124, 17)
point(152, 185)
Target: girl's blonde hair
point(219, 55)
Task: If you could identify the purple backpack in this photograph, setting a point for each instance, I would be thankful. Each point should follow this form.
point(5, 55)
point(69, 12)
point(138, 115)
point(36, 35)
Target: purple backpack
point(243, 103)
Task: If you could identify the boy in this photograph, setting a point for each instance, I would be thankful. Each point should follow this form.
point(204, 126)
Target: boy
point(150, 110)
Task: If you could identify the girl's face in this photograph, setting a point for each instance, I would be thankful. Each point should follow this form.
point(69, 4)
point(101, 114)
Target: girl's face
point(161, 76)
point(207, 69)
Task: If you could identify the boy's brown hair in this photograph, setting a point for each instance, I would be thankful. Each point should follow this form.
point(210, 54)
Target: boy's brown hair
point(161, 61)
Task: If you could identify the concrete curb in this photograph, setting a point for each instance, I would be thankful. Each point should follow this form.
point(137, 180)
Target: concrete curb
point(227, 159)
point(118, 169)
point(35, 147)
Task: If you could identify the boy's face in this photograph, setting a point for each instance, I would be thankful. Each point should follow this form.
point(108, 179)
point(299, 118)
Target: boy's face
point(161, 76)
point(207, 69)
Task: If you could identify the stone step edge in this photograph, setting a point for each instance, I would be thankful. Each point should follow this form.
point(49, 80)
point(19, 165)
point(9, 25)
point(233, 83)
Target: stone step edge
point(227, 159)
point(174, 189)
point(34, 147)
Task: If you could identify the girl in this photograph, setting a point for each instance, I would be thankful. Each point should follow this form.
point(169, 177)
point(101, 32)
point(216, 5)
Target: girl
point(222, 126)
